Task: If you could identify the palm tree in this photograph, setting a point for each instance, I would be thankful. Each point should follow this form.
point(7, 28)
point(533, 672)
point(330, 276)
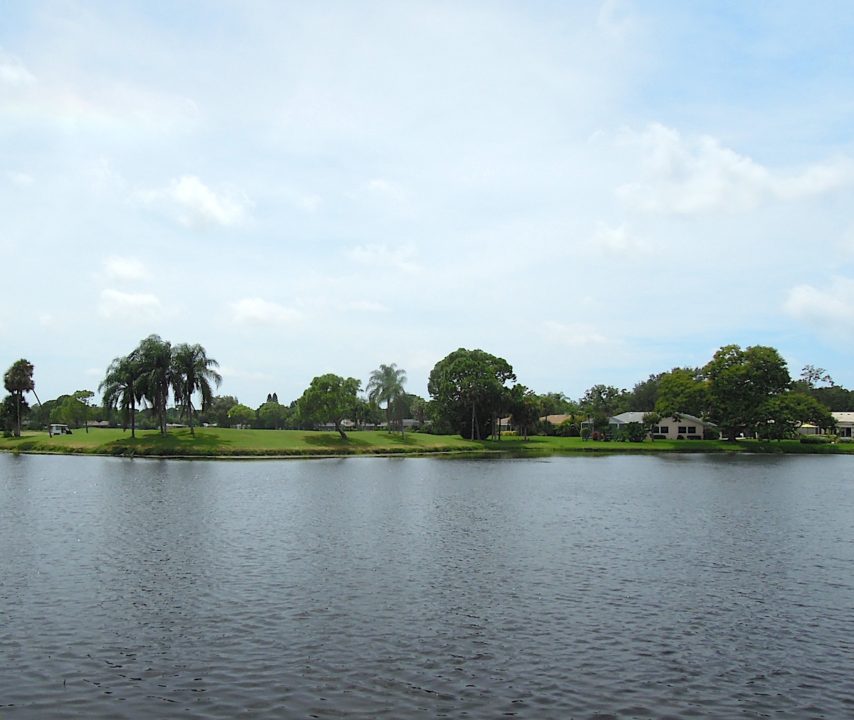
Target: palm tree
point(386, 386)
point(155, 374)
point(119, 389)
point(192, 371)
point(18, 379)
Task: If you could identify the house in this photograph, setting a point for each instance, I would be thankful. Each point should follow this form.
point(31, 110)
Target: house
point(844, 423)
point(683, 427)
point(844, 426)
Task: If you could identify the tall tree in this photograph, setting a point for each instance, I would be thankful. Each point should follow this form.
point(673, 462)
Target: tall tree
point(783, 414)
point(120, 389)
point(604, 400)
point(386, 386)
point(644, 394)
point(217, 412)
point(156, 375)
point(812, 376)
point(740, 383)
point(682, 390)
point(524, 406)
point(82, 397)
point(468, 388)
point(329, 398)
point(18, 380)
point(239, 414)
point(271, 415)
point(193, 372)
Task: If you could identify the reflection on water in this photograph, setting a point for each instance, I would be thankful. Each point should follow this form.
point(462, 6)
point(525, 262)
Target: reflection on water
point(658, 587)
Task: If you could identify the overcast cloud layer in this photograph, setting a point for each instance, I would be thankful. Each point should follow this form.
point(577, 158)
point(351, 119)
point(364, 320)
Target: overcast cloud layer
point(594, 191)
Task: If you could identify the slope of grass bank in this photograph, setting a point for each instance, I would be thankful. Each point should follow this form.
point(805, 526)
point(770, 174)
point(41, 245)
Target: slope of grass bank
point(226, 442)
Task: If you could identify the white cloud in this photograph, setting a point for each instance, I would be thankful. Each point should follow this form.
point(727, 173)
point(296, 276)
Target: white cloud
point(576, 335)
point(685, 176)
point(115, 304)
point(196, 205)
point(829, 310)
point(382, 256)
point(20, 179)
point(13, 71)
point(257, 311)
point(125, 268)
point(617, 240)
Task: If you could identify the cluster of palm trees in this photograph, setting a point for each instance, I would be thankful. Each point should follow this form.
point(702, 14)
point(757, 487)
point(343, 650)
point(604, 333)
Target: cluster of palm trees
point(151, 371)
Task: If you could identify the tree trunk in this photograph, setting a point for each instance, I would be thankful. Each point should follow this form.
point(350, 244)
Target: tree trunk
point(18, 413)
point(340, 431)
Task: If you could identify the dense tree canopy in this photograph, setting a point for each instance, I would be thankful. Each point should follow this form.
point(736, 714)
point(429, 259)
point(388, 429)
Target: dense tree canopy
point(740, 383)
point(240, 414)
point(468, 388)
point(329, 399)
point(682, 390)
point(525, 407)
point(604, 401)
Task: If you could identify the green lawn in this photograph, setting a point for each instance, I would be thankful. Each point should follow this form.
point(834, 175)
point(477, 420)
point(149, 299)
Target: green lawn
point(225, 442)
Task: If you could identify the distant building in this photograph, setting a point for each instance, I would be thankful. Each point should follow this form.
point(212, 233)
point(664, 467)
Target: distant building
point(683, 427)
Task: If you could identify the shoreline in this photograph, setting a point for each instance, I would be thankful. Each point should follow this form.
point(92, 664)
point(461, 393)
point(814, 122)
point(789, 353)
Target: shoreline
point(231, 444)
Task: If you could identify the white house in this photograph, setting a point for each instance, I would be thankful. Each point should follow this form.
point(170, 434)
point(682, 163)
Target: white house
point(685, 427)
point(844, 425)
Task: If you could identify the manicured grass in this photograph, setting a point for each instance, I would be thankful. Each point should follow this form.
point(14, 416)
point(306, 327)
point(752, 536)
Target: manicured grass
point(225, 442)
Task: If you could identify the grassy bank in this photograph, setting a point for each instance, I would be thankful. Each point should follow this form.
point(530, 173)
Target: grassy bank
point(225, 442)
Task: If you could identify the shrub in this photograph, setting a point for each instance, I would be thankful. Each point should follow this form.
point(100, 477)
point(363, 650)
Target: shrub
point(633, 432)
point(711, 434)
point(567, 429)
point(816, 439)
point(585, 433)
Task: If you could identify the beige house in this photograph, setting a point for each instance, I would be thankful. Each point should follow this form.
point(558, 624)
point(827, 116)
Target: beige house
point(844, 425)
point(685, 427)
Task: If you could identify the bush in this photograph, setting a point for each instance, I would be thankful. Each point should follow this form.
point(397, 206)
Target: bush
point(632, 432)
point(567, 429)
point(544, 428)
point(711, 434)
point(816, 439)
point(585, 433)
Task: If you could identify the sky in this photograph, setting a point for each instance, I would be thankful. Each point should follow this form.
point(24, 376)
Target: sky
point(595, 191)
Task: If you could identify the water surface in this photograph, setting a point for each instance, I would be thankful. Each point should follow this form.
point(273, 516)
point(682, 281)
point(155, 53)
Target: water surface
point(605, 587)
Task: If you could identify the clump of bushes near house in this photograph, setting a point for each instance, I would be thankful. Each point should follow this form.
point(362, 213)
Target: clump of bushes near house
point(818, 439)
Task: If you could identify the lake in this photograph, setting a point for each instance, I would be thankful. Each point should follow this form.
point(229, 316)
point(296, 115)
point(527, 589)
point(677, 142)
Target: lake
point(582, 587)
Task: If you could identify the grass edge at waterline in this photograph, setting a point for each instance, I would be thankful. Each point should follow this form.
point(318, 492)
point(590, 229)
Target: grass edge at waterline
point(231, 443)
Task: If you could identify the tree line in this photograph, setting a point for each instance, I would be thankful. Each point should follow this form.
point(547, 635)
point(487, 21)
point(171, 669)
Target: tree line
point(741, 390)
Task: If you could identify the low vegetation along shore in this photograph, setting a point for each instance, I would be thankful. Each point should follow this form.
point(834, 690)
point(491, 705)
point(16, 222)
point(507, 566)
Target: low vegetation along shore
point(227, 442)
